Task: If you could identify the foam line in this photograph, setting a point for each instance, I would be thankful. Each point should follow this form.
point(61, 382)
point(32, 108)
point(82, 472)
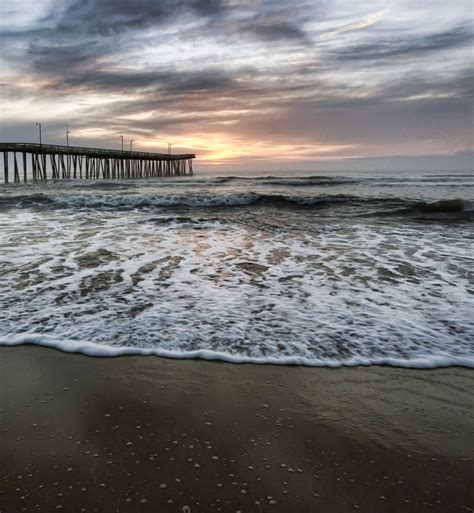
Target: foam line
point(98, 350)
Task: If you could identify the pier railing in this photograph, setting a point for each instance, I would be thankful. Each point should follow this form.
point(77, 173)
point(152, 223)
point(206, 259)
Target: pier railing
point(39, 162)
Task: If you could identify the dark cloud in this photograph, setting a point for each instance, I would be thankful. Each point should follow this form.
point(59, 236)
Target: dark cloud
point(58, 59)
point(273, 22)
point(81, 75)
point(277, 31)
point(457, 85)
point(109, 17)
point(88, 33)
point(419, 46)
point(207, 80)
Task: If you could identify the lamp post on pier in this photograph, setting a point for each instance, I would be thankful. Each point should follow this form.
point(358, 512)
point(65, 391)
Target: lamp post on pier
point(39, 127)
point(68, 157)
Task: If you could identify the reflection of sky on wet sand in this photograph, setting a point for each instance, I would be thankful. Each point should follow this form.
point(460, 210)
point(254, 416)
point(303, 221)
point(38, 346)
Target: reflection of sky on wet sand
point(146, 432)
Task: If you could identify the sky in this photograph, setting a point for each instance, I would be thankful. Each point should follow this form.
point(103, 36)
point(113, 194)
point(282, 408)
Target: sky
point(245, 84)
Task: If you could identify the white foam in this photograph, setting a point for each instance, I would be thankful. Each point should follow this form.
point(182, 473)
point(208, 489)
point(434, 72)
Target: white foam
point(288, 289)
point(99, 350)
point(136, 200)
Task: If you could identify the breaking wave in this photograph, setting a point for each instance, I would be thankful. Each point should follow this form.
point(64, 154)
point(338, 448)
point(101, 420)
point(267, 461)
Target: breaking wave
point(392, 206)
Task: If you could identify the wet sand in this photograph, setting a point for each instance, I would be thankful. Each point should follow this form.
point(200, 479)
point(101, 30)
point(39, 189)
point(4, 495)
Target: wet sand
point(145, 434)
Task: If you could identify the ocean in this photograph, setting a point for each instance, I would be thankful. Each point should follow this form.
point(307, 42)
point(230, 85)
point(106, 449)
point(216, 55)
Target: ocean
point(322, 269)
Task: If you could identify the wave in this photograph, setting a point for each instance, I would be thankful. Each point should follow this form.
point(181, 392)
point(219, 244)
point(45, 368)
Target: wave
point(99, 350)
point(120, 201)
point(131, 200)
point(311, 182)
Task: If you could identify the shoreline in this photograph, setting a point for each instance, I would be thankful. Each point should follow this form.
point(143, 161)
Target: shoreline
point(143, 434)
point(95, 350)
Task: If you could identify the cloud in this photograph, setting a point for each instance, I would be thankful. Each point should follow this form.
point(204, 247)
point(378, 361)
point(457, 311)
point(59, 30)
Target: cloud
point(109, 17)
point(58, 59)
point(311, 74)
point(85, 72)
point(277, 31)
point(365, 22)
point(411, 46)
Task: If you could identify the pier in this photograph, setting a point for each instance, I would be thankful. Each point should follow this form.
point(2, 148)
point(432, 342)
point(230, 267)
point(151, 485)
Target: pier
point(40, 162)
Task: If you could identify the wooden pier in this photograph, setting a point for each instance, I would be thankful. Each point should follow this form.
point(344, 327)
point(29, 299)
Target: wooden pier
point(39, 162)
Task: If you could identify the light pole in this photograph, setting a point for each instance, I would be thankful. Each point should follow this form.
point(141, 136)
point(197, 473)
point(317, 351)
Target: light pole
point(131, 142)
point(121, 137)
point(68, 158)
point(39, 126)
point(169, 148)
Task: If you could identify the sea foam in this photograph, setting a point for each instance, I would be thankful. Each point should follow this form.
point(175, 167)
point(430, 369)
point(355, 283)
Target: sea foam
point(320, 270)
point(99, 350)
point(304, 293)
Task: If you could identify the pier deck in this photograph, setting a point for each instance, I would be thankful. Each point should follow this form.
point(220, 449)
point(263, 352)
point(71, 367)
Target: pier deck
point(54, 162)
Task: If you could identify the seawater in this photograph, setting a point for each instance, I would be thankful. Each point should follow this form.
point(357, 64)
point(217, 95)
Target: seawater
point(327, 269)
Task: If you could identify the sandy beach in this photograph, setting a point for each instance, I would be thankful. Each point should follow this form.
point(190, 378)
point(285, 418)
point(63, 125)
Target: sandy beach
point(145, 434)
